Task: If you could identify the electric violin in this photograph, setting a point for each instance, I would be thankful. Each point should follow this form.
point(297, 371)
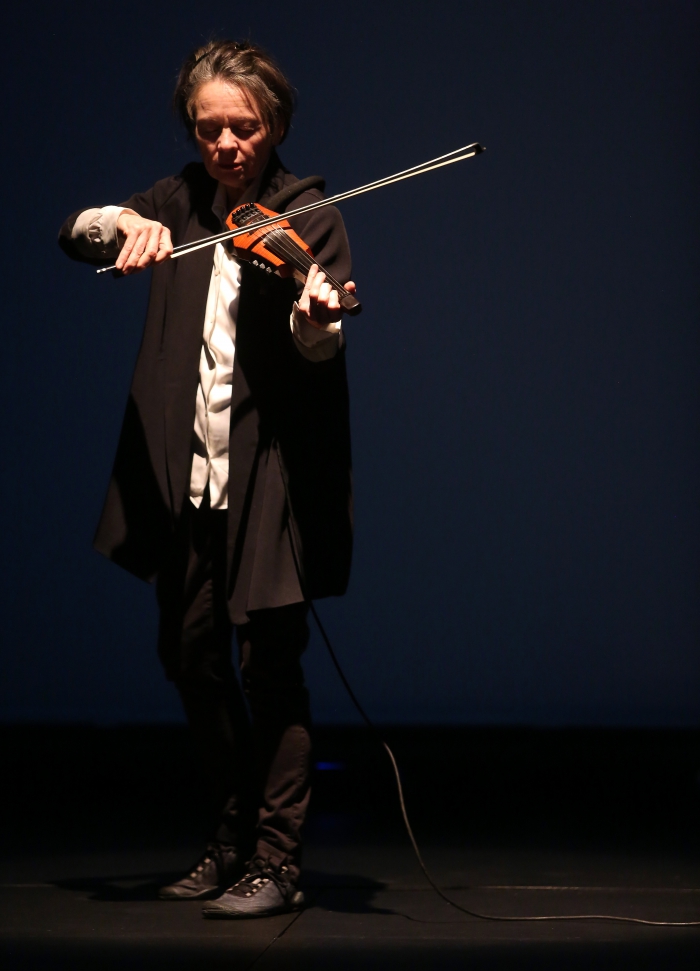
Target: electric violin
point(267, 240)
point(276, 247)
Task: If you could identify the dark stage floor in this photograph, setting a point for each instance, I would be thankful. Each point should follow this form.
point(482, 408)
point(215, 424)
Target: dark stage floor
point(513, 821)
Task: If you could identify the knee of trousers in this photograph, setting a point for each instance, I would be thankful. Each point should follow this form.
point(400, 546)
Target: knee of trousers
point(277, 679)
point(279, 708)
point(194, 658)
point(205, 680)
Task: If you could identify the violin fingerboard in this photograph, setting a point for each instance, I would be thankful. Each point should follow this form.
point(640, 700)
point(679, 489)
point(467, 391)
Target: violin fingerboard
point(281, 244)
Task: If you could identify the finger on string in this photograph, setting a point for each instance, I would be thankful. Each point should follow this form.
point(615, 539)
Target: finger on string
point(315, 288)
point(303, 300)
point(311, 276)
point(324, 293)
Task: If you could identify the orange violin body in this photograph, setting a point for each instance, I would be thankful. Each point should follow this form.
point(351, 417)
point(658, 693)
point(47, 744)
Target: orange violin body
point(277, 248)
point(254, 241)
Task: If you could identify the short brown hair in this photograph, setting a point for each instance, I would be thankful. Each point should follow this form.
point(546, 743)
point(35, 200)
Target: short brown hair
point(242, 64)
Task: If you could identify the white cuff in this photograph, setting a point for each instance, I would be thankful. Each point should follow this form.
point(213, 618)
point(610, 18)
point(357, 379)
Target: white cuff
point(313, 343)
point(95, 232)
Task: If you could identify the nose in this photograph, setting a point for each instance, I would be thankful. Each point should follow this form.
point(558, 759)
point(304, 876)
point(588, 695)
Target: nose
point(227, 141)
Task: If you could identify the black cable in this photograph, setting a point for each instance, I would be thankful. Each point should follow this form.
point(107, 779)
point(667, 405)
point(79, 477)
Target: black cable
point(397, 775)
point(414, 844)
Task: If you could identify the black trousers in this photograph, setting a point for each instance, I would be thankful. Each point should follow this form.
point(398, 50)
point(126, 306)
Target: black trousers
point(257, 757)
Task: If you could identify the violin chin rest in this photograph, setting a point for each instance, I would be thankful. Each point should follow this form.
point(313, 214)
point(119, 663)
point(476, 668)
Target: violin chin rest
point(351, 305)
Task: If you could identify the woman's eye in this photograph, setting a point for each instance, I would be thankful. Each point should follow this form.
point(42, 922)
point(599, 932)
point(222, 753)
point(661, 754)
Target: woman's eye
point(212, 132)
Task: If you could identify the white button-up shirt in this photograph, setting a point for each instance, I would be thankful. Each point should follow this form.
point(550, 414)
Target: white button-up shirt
point(212, 420)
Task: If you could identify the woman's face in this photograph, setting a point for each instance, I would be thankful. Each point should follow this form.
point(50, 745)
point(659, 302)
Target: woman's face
point(232, 137)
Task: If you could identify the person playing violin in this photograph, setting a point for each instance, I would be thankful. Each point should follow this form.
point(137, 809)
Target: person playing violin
point(231, 486)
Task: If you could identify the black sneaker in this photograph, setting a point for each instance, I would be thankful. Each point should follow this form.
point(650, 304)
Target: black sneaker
point(265, 890)
point(210, 875)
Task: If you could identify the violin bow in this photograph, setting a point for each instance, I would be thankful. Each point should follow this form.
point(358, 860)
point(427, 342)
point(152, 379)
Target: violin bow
point(457, 155)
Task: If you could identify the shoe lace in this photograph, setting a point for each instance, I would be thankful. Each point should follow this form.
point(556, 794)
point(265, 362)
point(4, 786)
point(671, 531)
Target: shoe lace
point(214, 853)
point(261, 872)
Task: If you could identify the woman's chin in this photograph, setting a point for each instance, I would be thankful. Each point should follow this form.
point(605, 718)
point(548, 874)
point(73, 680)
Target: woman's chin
point(233, 176)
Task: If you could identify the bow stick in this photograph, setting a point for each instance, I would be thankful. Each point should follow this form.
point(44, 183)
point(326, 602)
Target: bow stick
point(457, 155)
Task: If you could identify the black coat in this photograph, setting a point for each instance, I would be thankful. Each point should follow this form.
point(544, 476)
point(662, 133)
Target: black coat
point(289, 415)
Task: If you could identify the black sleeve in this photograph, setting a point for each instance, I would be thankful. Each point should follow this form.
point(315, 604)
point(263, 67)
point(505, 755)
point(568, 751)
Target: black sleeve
point(146, 204)
point(324, 231)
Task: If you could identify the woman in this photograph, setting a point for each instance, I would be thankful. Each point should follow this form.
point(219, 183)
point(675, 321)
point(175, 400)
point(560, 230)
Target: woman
point(231, 484)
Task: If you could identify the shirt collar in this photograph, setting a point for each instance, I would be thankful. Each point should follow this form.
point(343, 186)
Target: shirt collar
point(220, 206)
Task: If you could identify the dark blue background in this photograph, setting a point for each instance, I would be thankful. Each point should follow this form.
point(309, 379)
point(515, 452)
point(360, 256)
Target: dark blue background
point(524, 378)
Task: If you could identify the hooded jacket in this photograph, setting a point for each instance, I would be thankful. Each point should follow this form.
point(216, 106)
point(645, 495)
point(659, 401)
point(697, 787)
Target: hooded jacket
point(289, 492)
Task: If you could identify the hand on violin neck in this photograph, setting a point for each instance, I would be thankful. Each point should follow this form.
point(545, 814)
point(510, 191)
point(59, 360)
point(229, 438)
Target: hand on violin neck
point(146, 242)
point(319, 303)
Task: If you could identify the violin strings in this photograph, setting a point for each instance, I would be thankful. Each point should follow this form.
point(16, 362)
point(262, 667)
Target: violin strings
point(288, 253)
point(278, 242)
point(303, 262)
point(436, 163)
point(295, 254)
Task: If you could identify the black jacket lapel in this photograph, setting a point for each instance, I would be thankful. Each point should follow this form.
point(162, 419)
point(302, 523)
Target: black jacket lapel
point(182, 348)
